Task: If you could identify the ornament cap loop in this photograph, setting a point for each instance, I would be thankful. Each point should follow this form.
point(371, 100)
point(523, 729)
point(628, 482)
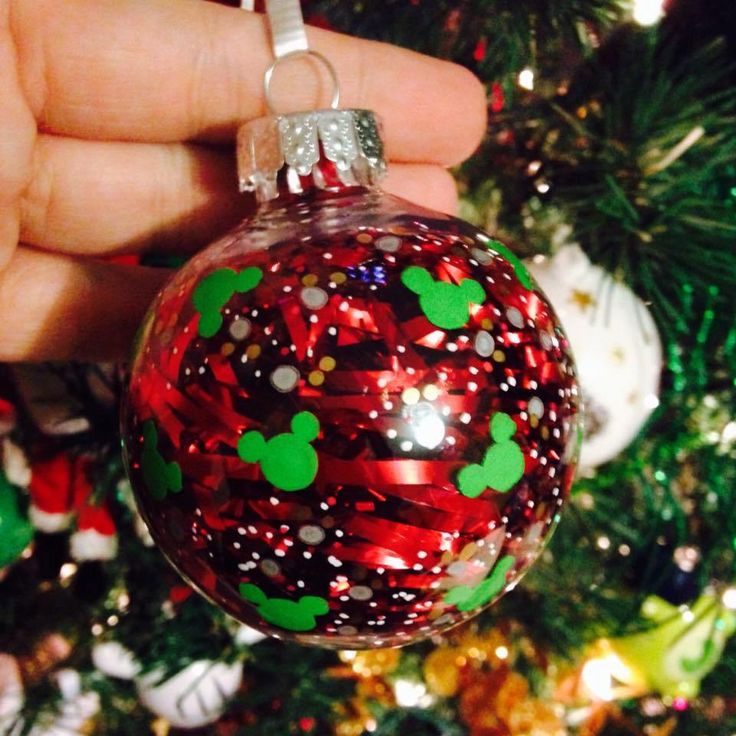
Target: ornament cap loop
point(332, 148)
point(268, 76)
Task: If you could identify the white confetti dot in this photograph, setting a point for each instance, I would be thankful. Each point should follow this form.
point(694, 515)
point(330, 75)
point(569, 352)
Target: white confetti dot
point(334, 561)
point(484, 344)
point(285, 378)
point(240, 329)
point(465, 418)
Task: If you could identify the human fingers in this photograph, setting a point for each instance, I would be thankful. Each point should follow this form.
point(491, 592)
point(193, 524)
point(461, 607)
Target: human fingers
point(171, 70)
point(100, 197)
point(55, 307)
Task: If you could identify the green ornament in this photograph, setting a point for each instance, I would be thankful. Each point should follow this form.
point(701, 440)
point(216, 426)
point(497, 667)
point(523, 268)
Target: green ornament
point(503, 463)
point(522, 274)
point(467, 598)
point(16, 531)
point(292, 615)
point(680, 649)
point(216, 290)
point(159, 476)
point(444, 304)
point(287, 460)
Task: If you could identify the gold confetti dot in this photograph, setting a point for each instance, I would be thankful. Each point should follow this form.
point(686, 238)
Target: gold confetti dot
point(447, 557)
point(327, 364)
point(400, 230)
point(310, 279)
point(430, 392)
point(316, 378)
point(253, 351)
point(534, 420)
point(410, 396)
point(338, 277)
point(364, 238)
point(499, 356)
point(227, 349)
point(486, 323)
point(544, 432)
point(468, 551)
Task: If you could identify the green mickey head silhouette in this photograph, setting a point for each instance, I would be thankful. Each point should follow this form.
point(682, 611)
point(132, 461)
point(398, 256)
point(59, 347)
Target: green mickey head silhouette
point(292, 615)
point(518, 265)
point(159, 476)
point(287, 460)
point(466, 598)
point(215, 290)
point(444, 304)
point(503, 463)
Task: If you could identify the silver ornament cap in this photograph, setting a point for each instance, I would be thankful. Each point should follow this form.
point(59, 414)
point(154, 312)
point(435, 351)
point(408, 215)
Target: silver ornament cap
point(301, 143)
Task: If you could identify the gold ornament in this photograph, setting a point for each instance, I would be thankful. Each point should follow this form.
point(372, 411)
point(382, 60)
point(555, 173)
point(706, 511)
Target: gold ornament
point(442, 671)
point(375, 663)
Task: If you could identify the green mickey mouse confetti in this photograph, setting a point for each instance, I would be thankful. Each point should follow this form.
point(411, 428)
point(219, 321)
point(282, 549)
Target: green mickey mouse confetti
point(159, 476)
point(522, 274)
point(287, 460)
point(216, 290)
point(503, 463)
point(292, 615)
point(444, 304)
point(466, 598)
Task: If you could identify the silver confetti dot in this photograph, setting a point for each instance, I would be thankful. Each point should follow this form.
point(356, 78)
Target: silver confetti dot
point(347, 630)
point(270, 568)
point(536, 406)
point(285, 378)
point(312, 534)
point(546, 339)
point(360, 593)
point(482, 256)
point(515, 317)
point(457, 568)
point(484, 344)
point(388, 243)
point(240, 329)
point(313, 297)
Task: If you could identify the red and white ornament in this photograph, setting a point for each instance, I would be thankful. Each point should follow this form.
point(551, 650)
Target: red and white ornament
point(61, 498)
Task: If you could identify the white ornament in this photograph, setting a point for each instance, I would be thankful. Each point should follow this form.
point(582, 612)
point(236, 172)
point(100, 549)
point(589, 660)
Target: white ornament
point(193, 697)
point(114, 660)
point(11, 694)
point(73, 711)
point(246, 636)
point(616, 347)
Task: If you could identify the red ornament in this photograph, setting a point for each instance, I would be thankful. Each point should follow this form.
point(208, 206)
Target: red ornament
point(351, 421)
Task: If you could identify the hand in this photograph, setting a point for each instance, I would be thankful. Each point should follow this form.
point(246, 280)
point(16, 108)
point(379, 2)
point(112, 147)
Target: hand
point(113, 116)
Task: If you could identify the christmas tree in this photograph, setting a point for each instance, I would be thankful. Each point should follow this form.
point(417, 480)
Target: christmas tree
point(609, 164)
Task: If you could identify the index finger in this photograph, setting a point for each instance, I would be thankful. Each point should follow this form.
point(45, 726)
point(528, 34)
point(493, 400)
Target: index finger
point(171, 70)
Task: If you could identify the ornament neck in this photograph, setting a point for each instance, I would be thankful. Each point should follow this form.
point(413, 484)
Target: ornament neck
point(289, 156)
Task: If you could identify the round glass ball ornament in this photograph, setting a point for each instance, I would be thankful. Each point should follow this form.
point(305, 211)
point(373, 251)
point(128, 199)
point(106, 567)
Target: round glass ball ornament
point(351, 421)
